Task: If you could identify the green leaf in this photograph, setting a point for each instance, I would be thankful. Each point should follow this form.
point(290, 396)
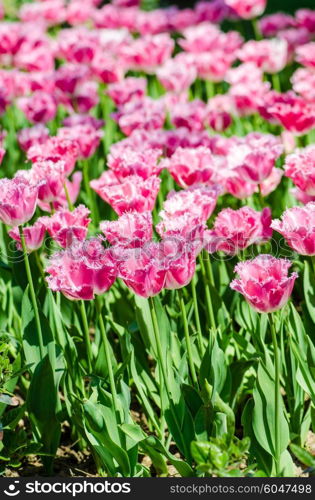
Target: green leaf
point(302, 455)
point(182, 467)
point(99, 434)
point(309, 289)
point(30, 340)
point(258, 453)
point(42, 404)
point(213, 366)
point(264, 413)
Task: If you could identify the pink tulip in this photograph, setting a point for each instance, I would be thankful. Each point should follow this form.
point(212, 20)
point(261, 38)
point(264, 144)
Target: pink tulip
point(271, 99)
point(176, 77)
point(297, 226)
point(272, 24)
point(191, 166)
point(301, 196)
point(218, 119)
point(106, 68)
point(295, 114)
point(141, 269)
point(51, 177)
point(112, 17)
point(76, 119)
point(126, 3)
point(78, 12)
point(247, 9)
point(235, 230)
point(247, 89)
point(253, 159)
point(68, 76)
point(256, 165)
point(198, 201)
point(18, 197)
point(214, 11)
point(61, 202)
point(77, 45)
point(264, 282)
point(132, 194)
point(35, 54)
point(81, 271)
point(146, 114)
point(29, 137)
point(300, 167)
point(305, 55)
point(208, 65)
point(33, 235)
point(303, 83)
point(269, 184)
point(148, 52)
point(269, 55)
point(39, 107)
point(179, 261)
point(55, 149)
point(294, 38)
point(186, 227)
point(206, 37)
point(306, 19)
point(130, 161)
point(127, 90)
point(190, 115)
point(65, 226)
point(180, 19)
point(51, 12)
point(152, 22)
point(86, 137)
point(235, 185)
point(130, 230)
point(85, 97)
point(9, 37)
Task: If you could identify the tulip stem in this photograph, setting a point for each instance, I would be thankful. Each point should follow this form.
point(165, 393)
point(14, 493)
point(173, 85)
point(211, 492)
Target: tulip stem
point(276, 82)
point(277, 395)
point(158, 344)
point(207, 279)
point(187, 339)
point(108, 362)
point(89, 193)
point(196, 314)
point(70, 205)
point(256, 29)
point(32, 293)
point(210, 90)
point(86, 333)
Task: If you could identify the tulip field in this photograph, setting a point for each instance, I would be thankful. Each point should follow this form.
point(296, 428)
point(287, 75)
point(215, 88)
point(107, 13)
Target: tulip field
point(157, 238)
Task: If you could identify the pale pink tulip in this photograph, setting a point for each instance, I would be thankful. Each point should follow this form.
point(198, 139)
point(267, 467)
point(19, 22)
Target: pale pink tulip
point(65, 226)
point(130, 230)
point(235, 230)
point(33, 236)
point(264, 282)
point(18, 197)
point(81, 271)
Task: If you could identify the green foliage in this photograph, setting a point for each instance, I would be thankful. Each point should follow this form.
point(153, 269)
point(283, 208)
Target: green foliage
point(205, 407)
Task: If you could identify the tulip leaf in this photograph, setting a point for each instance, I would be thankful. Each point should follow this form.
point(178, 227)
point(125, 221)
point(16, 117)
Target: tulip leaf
point(309, 289)
point(264, 412)
point(30, 339)
point(42, 404)
point(303, 455)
